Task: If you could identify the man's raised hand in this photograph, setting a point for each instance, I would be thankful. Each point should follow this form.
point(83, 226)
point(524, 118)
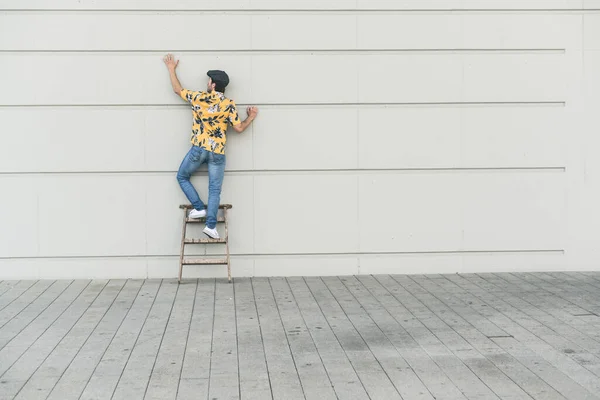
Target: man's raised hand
point(170, 62)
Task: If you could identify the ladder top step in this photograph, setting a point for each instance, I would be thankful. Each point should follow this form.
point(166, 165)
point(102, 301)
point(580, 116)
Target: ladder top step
point(205, 240)
point(222, 206)
point(192, 220)
point(204, 261)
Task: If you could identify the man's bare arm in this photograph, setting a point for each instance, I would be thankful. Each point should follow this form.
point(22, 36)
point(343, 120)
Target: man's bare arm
point(171, 66)
point(252, 112)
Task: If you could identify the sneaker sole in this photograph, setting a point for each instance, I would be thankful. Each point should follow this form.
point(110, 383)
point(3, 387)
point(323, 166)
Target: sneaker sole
point(211, 236)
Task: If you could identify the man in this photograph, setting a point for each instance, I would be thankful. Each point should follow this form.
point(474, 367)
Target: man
point(212, 112)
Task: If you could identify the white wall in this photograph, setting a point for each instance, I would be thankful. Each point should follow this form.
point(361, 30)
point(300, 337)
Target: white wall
point(429, 136)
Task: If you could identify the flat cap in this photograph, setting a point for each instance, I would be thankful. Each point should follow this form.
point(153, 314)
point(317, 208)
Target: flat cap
point(218, 77)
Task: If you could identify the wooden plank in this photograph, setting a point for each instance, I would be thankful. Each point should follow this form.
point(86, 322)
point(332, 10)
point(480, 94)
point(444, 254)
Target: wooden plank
point(481, 346)
point(455, 297)
point(594, 276)
point(30, 313)
point(442, 336)
point(568, 308)
point(74, 379)
point(221, 206)
point(45, 377)
point(565, 331)
point(182, 245)
point(166, 372)
point(404, 378)
point(253, 373)
point(20, 297)
point(374, 378)
point(62, 294)
point(224, 369)
point(5, 286)
point(104, 379)
point(204, 261)
point(227, 252)
point(199, 220)
point(196, 363)
point(11, 295)
point(285, 381)
point(400, 327)
point(347, 384)
point(440, 341)
point(134, 380)
point(316, 383)
point(205, 241)
point(565, 340)
point(582, 314)
point(408, 335)
point(583, 295)
point(29, 362)
point(531, 351)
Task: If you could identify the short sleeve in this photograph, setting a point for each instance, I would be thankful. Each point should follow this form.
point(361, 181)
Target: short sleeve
point(190, 96)
point(233, 117)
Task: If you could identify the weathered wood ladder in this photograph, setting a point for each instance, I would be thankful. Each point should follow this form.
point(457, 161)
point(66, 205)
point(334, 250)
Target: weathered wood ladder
point(204, 261)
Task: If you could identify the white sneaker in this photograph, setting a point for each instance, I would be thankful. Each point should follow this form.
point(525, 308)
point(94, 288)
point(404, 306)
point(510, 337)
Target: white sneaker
point(211, 233)
point(197, 214)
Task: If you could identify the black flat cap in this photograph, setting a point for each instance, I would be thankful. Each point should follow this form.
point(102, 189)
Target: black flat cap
point(219, 77)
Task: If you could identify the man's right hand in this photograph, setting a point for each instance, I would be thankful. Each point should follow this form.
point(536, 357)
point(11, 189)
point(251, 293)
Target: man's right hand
point(252, 112)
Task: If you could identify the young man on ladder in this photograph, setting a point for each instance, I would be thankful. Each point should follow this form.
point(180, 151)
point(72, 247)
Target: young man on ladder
point(212, 112)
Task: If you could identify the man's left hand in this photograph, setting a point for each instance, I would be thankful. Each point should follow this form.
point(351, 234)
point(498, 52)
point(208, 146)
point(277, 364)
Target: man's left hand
point(170, 62)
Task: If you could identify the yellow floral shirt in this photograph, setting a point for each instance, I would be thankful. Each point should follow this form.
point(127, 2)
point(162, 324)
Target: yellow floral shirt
point(212, 112)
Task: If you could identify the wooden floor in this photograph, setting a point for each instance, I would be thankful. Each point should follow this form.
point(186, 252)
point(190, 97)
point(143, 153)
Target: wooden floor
point(486, 336)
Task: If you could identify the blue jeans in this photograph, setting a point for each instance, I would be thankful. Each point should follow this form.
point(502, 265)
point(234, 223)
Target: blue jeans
point(216, 170)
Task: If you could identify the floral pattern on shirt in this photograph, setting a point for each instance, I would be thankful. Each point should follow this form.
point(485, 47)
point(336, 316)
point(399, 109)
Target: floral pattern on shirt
point(212, 112)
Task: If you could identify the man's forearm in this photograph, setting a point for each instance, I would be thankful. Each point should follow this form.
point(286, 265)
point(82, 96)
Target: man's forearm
point(174, 81)
point(245, 123)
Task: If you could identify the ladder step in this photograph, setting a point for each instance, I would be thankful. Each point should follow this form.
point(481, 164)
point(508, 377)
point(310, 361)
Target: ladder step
point(197, 220)
point(205, 241)
point(204, 261)
point(189, 206)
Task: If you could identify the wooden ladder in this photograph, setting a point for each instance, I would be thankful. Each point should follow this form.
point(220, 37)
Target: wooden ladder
point(204, 261)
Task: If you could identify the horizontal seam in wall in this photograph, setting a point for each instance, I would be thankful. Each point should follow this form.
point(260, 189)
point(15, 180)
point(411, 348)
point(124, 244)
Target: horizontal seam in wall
point(351, 11)
point(320, 171)
point(558, 103)
point(294, 51)
point(327, 254)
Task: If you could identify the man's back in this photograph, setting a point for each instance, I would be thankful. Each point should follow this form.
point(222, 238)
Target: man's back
point(212, 114)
